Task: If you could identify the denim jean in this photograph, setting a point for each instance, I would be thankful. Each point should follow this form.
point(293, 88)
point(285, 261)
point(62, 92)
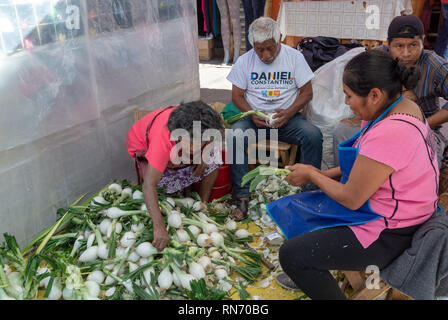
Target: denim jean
point(253, 9)
point(441, 47)
point(296, 131)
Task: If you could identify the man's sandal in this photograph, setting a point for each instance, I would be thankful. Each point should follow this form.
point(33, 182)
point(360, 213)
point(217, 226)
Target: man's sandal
point(243, 206)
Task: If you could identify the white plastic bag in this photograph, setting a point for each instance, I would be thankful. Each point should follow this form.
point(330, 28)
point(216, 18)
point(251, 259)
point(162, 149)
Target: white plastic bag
point(327, 108)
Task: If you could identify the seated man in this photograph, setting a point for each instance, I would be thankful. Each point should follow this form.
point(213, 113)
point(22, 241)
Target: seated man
point(271, 77)
point(405, 42)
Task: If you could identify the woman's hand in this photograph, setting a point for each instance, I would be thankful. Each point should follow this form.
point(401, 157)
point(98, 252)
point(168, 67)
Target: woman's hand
point(300, 174)
point(161, 237)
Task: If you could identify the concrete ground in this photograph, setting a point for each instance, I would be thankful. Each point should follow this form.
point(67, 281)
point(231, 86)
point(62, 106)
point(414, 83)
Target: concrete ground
point(214, 85)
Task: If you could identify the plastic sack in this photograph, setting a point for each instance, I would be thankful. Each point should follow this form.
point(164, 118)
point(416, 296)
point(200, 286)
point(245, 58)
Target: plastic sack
point(327, 108)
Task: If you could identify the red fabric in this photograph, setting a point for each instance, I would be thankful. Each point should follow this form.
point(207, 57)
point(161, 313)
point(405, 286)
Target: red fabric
point(159, 144)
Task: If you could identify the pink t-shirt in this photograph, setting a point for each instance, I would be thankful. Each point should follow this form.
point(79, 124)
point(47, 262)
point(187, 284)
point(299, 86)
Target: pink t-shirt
point(409, 196)
point(159, 144)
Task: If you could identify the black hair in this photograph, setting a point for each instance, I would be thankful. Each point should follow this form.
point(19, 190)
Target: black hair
point(183, 116)
point(377, 69)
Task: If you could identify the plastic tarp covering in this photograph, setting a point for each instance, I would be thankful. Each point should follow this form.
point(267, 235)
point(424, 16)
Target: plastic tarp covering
point(327, 107)
point(71, 72)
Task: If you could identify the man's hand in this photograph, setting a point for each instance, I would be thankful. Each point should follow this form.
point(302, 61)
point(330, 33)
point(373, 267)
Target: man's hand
point(281, 116)
point(300, 174)
point(259, 121)
point(161, 237)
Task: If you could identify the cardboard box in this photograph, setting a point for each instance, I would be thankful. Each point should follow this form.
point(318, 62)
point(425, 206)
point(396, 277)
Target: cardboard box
point(206, 49)
point(206, 44)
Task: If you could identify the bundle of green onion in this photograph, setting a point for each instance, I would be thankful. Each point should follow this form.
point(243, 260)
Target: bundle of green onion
point(105, 252)
point(260, 173)
point(242, 115)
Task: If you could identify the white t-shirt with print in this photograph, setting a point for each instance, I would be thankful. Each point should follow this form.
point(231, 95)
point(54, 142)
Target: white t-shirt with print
point(271, 86)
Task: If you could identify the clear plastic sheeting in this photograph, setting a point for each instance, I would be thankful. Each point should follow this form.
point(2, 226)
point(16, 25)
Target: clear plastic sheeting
point(71, 72)
point(328, 106)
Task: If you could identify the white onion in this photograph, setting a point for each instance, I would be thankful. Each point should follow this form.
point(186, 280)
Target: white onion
point(132, 267)
point(144, 261)
point(176, 280)
point(204, 240)
point(165, 279)
point(147, 274)
point(231, 224)
point(194, 230)
point(221, 273)
point(97, 276)
point(103, 251)
point(114, 212)
point(217, 239)
point(197, 206)
point(211, 249)
point(109, 266)
point(196, 270)
point(93, 288)
point(7, 269)
point(43, 282)
point(137, 195)
point(205, 262)
point(118, 228)
point(110, 292)
point(120, 252)
point(56, 290)
point(98, 199)
point(90, 240)
point(89, 255)
point(174, 220)
point(171, 201)
point(185, 202)
point(128, 239)
point(210, 227)
point(67, 293)
point(109, 280)
point(133, 257)
point(116, 188)
point(224, 285)
point(144, 207)
point(271, 118)
point(104, 225)
point(128, 285)
point(127, 191)
point(182, 235)
point(202, 216)
point(118, 272)
point(137, 227)
point(146, 249)
point(242, 233)
point(87, 232)
point(215, 255)
point(185, 280)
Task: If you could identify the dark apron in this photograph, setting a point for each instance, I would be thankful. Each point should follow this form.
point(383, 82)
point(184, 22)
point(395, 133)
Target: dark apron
point(313, 210)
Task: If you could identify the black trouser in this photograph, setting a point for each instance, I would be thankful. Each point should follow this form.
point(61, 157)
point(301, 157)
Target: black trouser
point(307, 258)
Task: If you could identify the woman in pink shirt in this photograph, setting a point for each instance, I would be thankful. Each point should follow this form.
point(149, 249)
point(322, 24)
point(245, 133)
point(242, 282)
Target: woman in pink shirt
point(168, 153)
point(393, 178)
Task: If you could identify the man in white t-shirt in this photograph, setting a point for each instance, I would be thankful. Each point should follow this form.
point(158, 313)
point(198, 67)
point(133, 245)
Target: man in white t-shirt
point(273, 78)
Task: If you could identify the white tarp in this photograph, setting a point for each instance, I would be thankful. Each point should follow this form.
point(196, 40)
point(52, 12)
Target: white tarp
point(71, 72)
